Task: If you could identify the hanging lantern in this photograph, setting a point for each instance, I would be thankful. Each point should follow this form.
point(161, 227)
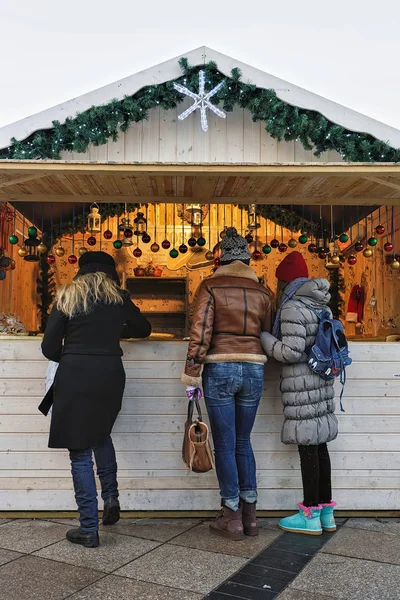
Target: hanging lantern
point(22, 252)
point(312, 248)
point(91, 241)
point(174, 253)
point(117, 244)
point(140, 224)
point(201, 242)
point(42, 248)
point(72, 259)
point(192, 242)
point(146, 238)
point(380, 229)
point(82, 250)
point(125, 224)
point(256, 255)
point(13, 239)
point(253, 218)
point(344, 238)
point(126, 242)
point(183, 248)
point(358, 246)
point(155, 247)
point(107, 234)
point(51, 259)
point(94, 219)
point(303, 239)
point(166, 244)
point(209, 255)
point(367, 253)
point(196, 214)
point(352, 260)
point(60, 251)
point(372, 241)
point(275, 243)
point(137, 253)
point(128, 233)
point(395, 264)
point(292, 243)
point(282, 247)
point(388, 247)
point(31, 245)
point(266, 249)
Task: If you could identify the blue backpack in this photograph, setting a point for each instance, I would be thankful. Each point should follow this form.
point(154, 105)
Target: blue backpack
point(329, 355)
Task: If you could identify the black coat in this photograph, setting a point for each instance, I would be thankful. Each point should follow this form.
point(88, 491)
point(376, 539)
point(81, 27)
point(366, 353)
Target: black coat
point(90, 380)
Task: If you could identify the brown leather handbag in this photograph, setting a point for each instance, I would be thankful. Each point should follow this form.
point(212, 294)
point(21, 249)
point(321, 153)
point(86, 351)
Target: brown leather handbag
point(196, 449)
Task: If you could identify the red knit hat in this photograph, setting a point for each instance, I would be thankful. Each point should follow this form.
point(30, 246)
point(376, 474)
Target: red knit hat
point(292, 267)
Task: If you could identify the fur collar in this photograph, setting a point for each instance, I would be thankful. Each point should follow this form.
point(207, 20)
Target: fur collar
point(236, 269)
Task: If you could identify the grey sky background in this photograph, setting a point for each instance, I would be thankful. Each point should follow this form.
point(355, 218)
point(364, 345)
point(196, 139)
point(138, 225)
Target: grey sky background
point(346, 50)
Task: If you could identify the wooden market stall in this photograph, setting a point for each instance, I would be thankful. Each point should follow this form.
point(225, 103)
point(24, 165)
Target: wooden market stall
point(236, 173)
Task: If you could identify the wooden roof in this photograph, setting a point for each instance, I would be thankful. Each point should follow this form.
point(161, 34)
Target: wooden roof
point(346, 184)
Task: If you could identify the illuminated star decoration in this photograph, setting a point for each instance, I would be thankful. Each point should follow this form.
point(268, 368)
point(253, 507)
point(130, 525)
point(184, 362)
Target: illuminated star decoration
point(201, 101)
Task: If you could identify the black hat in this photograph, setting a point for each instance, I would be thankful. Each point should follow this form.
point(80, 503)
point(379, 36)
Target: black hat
point(98, 262)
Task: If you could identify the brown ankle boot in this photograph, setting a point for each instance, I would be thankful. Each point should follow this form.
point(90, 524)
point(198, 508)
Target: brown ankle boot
point(250, 525)
point(229, 524)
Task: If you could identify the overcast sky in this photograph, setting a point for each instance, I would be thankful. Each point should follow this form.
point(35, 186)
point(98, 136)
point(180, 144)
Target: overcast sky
point(346, 50)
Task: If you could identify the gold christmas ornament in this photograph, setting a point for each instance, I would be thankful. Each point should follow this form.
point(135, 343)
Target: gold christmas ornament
point(209, 255)
point(395, 265)
point(42, 248)
point(60, 251)
point(292, 243)
point(367, 253)
point(82, 250)
point(22, 252)
point(335, 259)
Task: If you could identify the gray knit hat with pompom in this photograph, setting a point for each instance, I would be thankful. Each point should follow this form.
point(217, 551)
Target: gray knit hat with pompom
point(234, 246)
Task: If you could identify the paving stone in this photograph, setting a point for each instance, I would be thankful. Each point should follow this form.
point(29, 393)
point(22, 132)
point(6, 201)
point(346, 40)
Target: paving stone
point(26, 536)
point(348, 578)
point(244, 592)
point(292, 594)
point(380, 524)
point(360, 543)
point(269, 523)
point(113, 552)
point(31, 578)
point(8, 555)
point(4, 521)
point(161, 530)
point(184, 568)
point(70, 522)
point(200, 537)
point(120, 588)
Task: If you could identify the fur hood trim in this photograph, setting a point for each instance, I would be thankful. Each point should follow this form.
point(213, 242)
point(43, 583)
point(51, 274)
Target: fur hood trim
point(236, 269)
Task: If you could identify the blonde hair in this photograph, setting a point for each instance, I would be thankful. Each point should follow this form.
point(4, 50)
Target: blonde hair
point(81, 295)
point(282, 285)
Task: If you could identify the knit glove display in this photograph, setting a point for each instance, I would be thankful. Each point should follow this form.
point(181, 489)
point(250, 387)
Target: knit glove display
point(193, 392)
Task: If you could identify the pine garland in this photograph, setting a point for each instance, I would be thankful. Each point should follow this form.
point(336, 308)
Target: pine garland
point(337, 290)
point(98, 124)
point(46, 289)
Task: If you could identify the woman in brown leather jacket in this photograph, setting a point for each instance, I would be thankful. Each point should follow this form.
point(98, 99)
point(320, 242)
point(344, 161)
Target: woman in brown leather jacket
point(232, 310)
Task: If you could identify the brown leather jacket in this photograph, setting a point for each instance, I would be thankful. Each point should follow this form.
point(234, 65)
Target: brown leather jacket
point(232, 310)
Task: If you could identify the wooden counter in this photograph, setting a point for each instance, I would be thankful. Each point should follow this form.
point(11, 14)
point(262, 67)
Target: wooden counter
point(148, 435)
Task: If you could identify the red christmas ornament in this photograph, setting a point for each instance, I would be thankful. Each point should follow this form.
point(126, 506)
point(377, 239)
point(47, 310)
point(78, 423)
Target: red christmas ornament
point(282, 247)
point(91, 241)
point(51, 259)
point(128, 233)
point(312, 248)
point(352, 260)
point(380, 229)
point(72, 259)
point(256, 255)
point(108, 234)
point(322, 254)
point(146, 238)
point(359, 246)
point(192, 242)
point(275, 243)
point(166, 244)
point(137, 253)
point(388, 247)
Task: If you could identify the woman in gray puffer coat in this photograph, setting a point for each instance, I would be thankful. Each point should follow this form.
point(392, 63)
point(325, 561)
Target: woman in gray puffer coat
point(308, 400)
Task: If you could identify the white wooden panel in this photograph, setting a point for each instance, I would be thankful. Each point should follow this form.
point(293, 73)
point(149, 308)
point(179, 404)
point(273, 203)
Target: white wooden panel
point(151, 137)
point(251, 139)
point(269, 146)
point(168, 136)
point(235, 135)
point(185, 136)
point(98, 153)
point(133, 142)
point(116, 150)
point(218, 138)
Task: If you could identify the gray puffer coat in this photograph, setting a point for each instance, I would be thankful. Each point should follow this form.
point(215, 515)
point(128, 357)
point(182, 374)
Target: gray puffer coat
point(308, 400)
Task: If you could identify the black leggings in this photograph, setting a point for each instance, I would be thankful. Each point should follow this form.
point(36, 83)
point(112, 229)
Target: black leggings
point(316, 474)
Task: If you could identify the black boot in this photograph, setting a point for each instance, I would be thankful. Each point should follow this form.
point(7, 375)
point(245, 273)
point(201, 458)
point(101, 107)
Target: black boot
point(111, 512)
point(88, 540)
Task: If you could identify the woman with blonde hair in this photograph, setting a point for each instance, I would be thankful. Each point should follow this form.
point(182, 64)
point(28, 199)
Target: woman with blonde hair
point(90, 316)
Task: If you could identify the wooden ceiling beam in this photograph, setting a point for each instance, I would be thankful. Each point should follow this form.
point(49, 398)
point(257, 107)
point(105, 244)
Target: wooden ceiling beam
point(309, 200)
point(24, 178)
point(390, 182)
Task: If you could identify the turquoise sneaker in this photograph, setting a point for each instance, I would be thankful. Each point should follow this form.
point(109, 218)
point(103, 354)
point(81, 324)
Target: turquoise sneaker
point(327, 517)
point(307, 521)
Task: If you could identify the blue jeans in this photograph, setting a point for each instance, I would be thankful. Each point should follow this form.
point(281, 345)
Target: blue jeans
point(232, 392)
point(85, 484)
